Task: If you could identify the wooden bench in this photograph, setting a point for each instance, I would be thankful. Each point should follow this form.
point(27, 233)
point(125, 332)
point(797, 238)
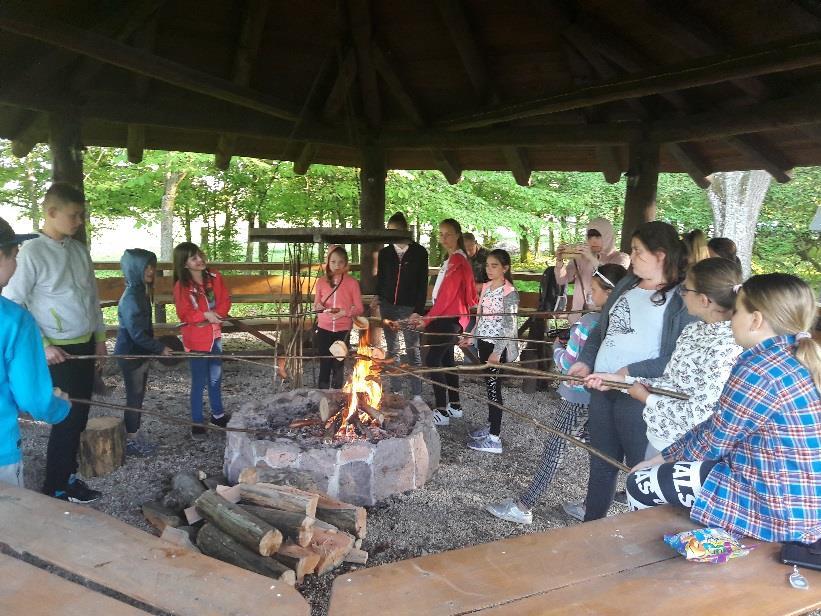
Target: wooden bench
point(120, 558)
point(619, 565)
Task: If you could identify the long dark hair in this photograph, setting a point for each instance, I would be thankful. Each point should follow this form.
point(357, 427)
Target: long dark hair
point(183, 252)
point(503, 257)
point(337, 249)
point(716, 278)
point(658, 236)
point(457, 228)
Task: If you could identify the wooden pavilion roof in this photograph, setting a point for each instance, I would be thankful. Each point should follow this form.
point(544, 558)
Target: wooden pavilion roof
point(437, 84)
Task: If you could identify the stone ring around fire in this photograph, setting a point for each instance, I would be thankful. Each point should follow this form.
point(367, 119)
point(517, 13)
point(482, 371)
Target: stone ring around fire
point(339, 350)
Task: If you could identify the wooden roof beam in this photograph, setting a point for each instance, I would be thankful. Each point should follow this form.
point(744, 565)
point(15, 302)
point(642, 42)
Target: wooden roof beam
point(790, 55)
point(519, 164)
point(692, 162)
point(342, 86)
point(445, 163)
point(359, 12)
point(766, 156)
point(250, 37)
point(135, 143)
point(453, 14)
point(129, 58)
point(135, 140)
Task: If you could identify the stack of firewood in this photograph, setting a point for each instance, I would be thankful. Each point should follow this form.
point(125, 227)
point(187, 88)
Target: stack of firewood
point(265, 523)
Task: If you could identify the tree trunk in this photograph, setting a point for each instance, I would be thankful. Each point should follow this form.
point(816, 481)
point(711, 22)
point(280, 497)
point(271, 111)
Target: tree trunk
point(187, 222)
point(524, 247)
point(30, 190)
point(736, 198)
point(537, 241)
point(204, 233)
point(169, 198)
point(249, 245)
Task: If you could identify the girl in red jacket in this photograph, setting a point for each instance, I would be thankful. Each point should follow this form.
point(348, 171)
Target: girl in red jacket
point(202, 301)
point(453, 294)
point(338, 297)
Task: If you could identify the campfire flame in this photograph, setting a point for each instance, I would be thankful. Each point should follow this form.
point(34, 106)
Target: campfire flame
point(364, 386)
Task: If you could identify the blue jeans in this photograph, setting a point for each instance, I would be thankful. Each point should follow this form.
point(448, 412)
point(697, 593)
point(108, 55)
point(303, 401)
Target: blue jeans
point(414, 353)
point(206, 372)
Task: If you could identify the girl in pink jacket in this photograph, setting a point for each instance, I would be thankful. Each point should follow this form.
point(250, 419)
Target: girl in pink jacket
point(339, 299)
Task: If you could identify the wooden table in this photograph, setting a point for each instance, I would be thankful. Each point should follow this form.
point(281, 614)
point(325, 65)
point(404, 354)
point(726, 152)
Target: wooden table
point(619, 565)
point(115, 563)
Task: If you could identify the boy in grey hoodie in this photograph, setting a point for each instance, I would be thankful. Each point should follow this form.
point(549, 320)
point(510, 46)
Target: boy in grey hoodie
point(55, 281)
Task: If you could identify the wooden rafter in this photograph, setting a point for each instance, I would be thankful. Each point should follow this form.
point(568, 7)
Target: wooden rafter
point(250, 37)
point(135, 141)
point(120, 24)
point(453, 14)
point(446, 164)
point(691, 161)
point(361, 25)
point(763, 155)
point(789, 55)
point(112, 52)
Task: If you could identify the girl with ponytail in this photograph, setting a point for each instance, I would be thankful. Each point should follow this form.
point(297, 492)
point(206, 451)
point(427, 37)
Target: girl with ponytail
point(753, 467)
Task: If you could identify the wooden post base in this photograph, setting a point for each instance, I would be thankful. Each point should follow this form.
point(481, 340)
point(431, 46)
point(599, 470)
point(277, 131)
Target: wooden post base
point(102, 446)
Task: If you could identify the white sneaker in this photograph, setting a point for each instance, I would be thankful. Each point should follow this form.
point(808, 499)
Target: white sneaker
point(574, 510)
point(489, 444)
point(479, 433)
point(440, 418)
point(454, 412)
point(509, 510)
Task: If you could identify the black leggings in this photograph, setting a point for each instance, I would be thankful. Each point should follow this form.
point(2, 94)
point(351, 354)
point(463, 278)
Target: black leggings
point(331, 371)
point(440, 355)
point(494, 388)
point(674, 483)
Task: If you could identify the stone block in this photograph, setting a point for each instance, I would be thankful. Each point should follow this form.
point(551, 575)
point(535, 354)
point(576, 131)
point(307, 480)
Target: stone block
point(355, 484)
point(320, 463)
point(275, 454)
point(393, 468)
point(362, 450)
point(433, 444)
point(421, 459)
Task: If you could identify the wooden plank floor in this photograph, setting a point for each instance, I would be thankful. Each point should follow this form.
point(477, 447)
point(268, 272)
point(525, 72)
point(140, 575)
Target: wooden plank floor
point(25, 589)
point(115, 555)
point(619, 565)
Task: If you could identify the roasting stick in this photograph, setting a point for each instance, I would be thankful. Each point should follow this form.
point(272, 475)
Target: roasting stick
point(527, 418)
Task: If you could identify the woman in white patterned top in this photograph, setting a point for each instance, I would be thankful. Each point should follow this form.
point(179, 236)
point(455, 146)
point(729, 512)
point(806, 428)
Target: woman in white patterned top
point(495, 331)
point(701, 362)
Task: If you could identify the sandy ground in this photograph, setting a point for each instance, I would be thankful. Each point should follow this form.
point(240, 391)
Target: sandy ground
point(448, 513)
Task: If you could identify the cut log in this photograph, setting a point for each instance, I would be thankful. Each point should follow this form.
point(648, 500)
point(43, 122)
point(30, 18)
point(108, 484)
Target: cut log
point(332, 548)
point(357, 557)
point(185, 489)
point(331, 403)
point(244, 527)
point(279, 497)
point(160, 516)
point(344, 516)
point(305, 423)
point(102, 446)
point(298, 527)
point(279, 476)
point(229, 493)
point(179, 538)
point(217, 544)
point(302, 560)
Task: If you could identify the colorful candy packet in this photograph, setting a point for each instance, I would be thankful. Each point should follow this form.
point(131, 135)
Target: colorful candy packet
point(707, 545)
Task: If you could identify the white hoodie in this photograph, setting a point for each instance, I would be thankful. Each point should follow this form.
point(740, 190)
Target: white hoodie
point(55, 281)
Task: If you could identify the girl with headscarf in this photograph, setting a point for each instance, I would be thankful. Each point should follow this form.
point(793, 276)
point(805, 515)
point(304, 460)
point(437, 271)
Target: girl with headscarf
point(576, 263)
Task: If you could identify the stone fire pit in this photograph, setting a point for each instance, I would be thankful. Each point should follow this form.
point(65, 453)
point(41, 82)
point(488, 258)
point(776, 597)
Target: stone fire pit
point(354, 470)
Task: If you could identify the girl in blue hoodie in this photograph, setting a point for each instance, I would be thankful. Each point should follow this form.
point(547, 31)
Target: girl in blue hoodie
point(136, 337)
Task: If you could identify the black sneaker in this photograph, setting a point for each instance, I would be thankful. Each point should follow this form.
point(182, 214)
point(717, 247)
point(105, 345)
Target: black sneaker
point(78, 492)
point(221, 421)
point(198, 432)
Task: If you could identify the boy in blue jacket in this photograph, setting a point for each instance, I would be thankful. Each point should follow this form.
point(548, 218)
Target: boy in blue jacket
point(25, 382)
point(136, 337)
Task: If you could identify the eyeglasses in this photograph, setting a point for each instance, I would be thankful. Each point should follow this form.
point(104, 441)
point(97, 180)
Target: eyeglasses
point(604, 279)
point(682, 290)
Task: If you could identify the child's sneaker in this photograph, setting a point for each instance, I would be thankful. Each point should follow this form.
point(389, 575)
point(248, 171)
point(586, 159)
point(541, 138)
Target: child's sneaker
point(455, 411)
point(509, 510)
point(479, 433)
point(78, 492)
point(575, 510)
point(221, 421)
point(488, 444)
point(441, 418)
point(198, 433)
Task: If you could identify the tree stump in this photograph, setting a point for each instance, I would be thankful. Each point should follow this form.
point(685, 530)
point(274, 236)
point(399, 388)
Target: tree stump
point(102, 446)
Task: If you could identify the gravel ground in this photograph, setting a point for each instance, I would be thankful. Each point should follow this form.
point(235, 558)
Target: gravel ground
point(447, 513)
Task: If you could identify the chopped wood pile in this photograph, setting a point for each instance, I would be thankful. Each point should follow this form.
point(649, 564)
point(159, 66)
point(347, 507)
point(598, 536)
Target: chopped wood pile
point(261, 524)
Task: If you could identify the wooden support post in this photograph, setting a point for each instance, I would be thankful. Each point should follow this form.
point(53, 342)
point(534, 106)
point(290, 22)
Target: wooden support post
point(67, 155)
point(640, 198)
point(371, 210)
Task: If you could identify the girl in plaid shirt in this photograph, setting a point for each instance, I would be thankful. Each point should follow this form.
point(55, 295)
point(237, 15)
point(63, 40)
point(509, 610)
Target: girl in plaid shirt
point(753, 467)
